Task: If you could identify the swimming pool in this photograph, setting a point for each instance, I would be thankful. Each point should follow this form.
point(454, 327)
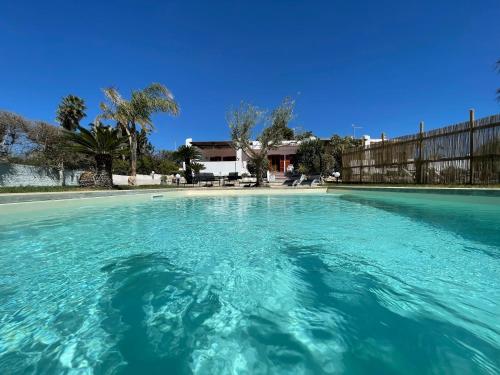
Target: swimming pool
point(304, 284)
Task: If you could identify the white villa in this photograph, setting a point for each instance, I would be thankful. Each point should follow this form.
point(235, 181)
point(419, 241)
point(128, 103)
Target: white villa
point(220, 158)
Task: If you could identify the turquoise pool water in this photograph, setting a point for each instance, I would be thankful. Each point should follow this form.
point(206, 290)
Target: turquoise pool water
point(305, 284)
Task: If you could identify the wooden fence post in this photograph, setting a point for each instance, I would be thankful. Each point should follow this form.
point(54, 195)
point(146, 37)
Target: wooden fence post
point(384, 177)
point(361, 158)
point(419, 161)
point(471, 144)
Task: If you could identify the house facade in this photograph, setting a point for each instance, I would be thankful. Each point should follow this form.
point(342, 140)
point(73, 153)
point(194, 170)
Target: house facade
point(220, 158)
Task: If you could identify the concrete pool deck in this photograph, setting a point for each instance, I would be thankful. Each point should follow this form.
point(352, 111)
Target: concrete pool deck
point(14, 198)
point(11, 198)
point(469, 191)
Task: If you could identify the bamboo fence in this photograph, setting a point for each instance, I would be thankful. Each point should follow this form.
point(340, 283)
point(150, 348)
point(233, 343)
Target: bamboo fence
point(464, 153)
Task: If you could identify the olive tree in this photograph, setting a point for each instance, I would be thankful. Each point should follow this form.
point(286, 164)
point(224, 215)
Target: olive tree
point(243, 120)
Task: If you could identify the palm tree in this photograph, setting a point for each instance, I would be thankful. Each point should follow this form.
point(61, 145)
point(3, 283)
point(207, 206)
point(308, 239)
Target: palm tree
point(137, 111)
point(70, 112)
point(101, 142)
point(188, 155)
point(197, 168)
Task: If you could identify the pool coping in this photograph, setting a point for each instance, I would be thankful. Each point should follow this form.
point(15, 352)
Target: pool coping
point(17, 198)
point(468, 191)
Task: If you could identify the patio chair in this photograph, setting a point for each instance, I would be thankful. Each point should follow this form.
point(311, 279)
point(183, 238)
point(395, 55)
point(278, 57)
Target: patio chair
point(232, 178)
point(207, 178)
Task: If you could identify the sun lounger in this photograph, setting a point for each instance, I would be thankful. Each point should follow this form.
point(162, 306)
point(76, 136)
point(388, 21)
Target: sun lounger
point(232, 178)
point(207, 178)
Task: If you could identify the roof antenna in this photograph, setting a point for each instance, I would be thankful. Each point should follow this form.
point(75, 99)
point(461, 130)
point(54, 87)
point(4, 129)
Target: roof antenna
point(354, 127)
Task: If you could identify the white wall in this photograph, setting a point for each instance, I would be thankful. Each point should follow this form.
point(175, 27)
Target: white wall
point(141, 179)
point(223, 168)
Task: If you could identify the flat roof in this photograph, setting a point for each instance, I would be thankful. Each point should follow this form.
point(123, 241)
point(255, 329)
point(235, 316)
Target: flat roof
point(212, 144)
point(226, 144)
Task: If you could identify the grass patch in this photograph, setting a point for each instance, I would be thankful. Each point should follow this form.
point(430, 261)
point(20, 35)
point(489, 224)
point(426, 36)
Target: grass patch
point(41, 189)
point(56, 189)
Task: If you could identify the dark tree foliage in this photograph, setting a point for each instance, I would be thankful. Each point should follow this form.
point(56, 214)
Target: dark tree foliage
point(187, 155)
point(315, 156)
point(70, 112)
point(312, 158)
point(339, 144)
point(100, 142)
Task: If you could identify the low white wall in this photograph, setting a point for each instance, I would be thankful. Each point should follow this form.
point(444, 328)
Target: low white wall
point(28, 175)
point(141, 179)
point(223, 168)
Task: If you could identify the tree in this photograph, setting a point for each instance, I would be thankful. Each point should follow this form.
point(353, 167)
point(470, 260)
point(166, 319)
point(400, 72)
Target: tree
point(166, 166)
point(197, 168)
point(70, 112)
point(279, 119)
point(188, 155)
point(300, 134)
point(311, 157)
point(137, 111)
point(338, 145)
point(243, 120)
point(102, 143)
point(48, 148)
point(12, 127)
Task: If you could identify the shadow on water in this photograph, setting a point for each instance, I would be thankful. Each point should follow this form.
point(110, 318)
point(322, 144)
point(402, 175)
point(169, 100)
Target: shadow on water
point(166, 344)
point(278, 350)
point(467, 221)
point(156, 313)
point(380, 341)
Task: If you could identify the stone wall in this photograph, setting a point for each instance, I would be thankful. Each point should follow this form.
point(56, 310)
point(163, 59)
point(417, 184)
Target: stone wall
point(29, 175)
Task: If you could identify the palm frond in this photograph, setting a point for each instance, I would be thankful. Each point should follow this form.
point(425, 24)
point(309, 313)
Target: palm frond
point(187, 153)
point(70, 112)
point(100, 140)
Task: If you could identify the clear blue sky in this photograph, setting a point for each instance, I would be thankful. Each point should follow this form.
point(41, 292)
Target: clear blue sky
point(383, 65)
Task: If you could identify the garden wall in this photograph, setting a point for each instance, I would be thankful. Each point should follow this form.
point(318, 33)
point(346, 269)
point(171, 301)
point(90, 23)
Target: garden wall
point(29, 175)
point(141, 179)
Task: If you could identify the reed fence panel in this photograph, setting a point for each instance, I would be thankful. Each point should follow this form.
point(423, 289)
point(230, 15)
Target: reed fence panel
point(464, 153)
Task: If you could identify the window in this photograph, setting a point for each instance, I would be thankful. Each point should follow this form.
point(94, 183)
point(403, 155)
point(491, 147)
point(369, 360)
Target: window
point(229, 158)
point(215, 158)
